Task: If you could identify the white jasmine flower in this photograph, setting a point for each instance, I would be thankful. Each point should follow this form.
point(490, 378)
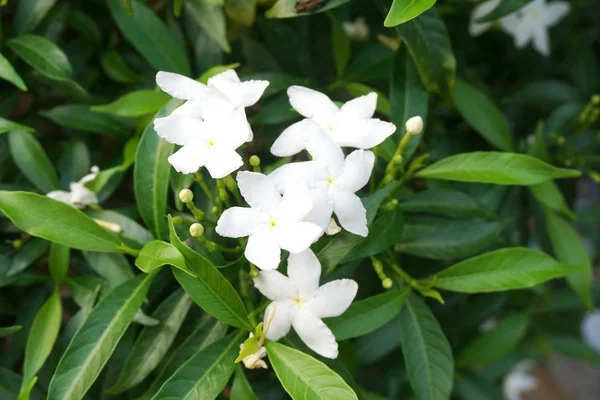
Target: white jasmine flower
point(590, 329)
point(255, 360)
point(357, 29)
point(351, 125)
point(299, 302)
point(272, 222)
point(79, 196)
point(507, 23)
point(333, 181)
point(519, 380)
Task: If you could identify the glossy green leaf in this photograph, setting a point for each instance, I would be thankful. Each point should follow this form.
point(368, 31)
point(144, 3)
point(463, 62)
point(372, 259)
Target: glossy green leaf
point(154, 342)
point(241, 389)
point(32, 160)
point(288, 8)
point(30, 13)
point(81, 118)
point(500, 270)
point(550, 196)
point(31, 251)
point(429, 45)
point(9, 126)
point(570, 250)
point(385, 232)
point(427, 353)
point(135, 104)
point(151, 175)
point(157, 253)
point(58, 262)
point(117, 69)
point(340, 43)
point(151, 37)
point(445, 202)
point(504, 8)
point(367, 315)
point(42, 335)
point(55, 221)
point(9, 330)
point(85, 26)
point(495, 344)
point(405, 10)
point(211, 18)
point(495, 167)
point(113, 267)
point(304, 377)
point(479, 111)
point(43, 55)
point(209, 288)
point(96, 340)
point(8, 73)
point(205, 374)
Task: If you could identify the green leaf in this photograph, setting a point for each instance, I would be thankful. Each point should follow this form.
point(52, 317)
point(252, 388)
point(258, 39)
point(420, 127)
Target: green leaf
point(31, 251)
point(30, 13)
point(550, 196)
point(429, 45)
point(445, 202)
point(58, 262)
point(57, 222)
point(205, 374)
point(8, 73)
point(304, 377)
point(209, 288)
point(367, 315)
point(158, 253)
point(241, 11)
point(32, 160)
point(385, 232)
point(241, 389)
point(495, 344)
point(500, 270)
point(43, 55)
point(96, 340)
point(9, 126)
point(340, 43)
point(427, 353)
point(9, 330)
point(405, 10)
point(211, 18)
point(504, 8)
point(133, 234)
point(479, 111)
point(440, 238)
point(85, 26)
point(81, 118)
point(42, 335)
point(135, 104)
point(571, 251)
point(287, 8)
point(127, 7)
point(495, 167)
point(151, 37)
point(408, 98)
point(153, 342)
point(574, 348)
point(113, 267)
point(117, 69)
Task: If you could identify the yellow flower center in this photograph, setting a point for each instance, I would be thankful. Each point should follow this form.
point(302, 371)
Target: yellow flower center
point(272, 223)
point(298, 302)
point(210, 143)
point(330, 181)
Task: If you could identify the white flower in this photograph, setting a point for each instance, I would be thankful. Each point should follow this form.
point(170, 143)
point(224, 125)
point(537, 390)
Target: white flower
point(358, 29)
point(351, 125)
point(298, 301)
point(332, 180)
point(272, 223)
point(255, 360)
point(507, 22)
point(79, 196)
point(590, 329)
point(519, 380)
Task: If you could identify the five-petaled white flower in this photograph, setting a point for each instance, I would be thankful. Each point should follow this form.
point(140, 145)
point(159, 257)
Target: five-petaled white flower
point(211, 124)
point(272, 222)
point(507, 23)
point(299, 302)
point(351, 125)
point(79, 196)
point(519, 380)
point(590, 329)
point(332, 179)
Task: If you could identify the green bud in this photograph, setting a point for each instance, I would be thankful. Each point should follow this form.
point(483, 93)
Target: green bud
point(255, 161)
point(560, 140)
point(596, 99)
point(390, 205)
point(211, 246)
point(397, 159)
point(186, 195)
point(196, 230)
point(387, 283)
point(593, 174)
point(17, 244)
point(215, 210)
point(253, 273)
point(177, 220)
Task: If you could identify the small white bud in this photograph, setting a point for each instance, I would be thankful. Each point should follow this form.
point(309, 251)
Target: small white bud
point(332, 228)
point(186, 195)
point(196, 230)
point(414, 125)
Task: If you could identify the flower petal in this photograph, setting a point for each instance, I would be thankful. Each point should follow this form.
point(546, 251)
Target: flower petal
point(363, 134)
point(263, 251)
point(325, 150)
point(231, 131)
point(357, 170)
point(304, 171)
point(298, 236)
point(222, 162)
point(188, 159)
point(333, 298)
point(322, 207)
point(362, 107)
point(180, 87)
point(476, 28)
point(238, 222)
point(310, 103)
point(274, 285)
point(590, 329)
point(60, 195)
point(296, 203)
point(304, 271)
point(81, 195)
point(180, 130)
point(555, 11)
point(258, 191)
point(190, 109)
point(315, 334)
point(278, 316)
point(541, 41)
point(293, 139)
point(351, 213)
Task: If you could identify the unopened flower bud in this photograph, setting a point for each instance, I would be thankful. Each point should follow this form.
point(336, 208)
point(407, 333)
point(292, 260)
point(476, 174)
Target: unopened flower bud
point(196, 230)
point(387, 283)
point(253, 273)
point(255, 161)
point(414, 125)
point(560, 140)
point(211, 246)
point(177, 220)
point(186, 195)
point(215, 210)
point(17, 244)
point(397, 159)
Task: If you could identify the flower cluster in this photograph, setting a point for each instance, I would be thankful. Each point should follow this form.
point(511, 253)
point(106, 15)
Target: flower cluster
point(292, 207)
point(529, 24)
